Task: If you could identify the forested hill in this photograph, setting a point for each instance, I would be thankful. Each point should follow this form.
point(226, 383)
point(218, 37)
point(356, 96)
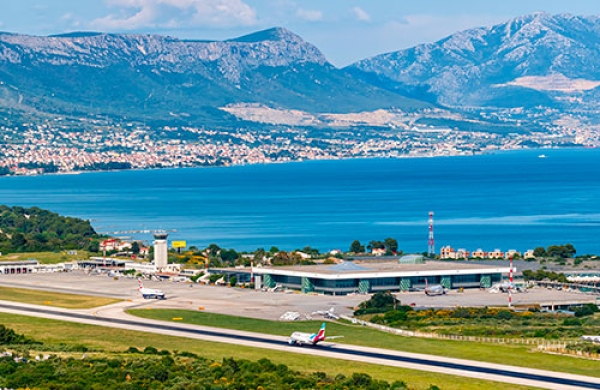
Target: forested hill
point(33, 229)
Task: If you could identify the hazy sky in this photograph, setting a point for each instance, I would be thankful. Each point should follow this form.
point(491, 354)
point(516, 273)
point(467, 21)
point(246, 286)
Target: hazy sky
point(345, 30)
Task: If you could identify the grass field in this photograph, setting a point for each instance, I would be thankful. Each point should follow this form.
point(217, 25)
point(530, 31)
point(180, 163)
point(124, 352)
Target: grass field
point(513, 354)
point(109, 340)
point(67, 301)
point(115, 341)
point(46, 257)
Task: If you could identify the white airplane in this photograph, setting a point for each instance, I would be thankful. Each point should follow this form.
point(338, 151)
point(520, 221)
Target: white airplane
point(505, 286)
point(300, 338)
point(327, 314)
point(150, 293)
point(434, 289)
point(593, 339)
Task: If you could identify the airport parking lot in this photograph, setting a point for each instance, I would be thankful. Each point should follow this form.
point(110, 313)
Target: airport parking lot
point(261, 304)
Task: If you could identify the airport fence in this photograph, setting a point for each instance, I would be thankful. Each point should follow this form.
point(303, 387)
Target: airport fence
point(558, 347)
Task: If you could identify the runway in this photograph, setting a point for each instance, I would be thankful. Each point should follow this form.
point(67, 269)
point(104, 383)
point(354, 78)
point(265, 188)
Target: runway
point(466, 368)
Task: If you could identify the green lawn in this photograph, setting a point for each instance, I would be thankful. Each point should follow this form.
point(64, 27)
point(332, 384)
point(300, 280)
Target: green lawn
point(109, 341)
point(46, 257)
point(514, 354)
point(68, 301)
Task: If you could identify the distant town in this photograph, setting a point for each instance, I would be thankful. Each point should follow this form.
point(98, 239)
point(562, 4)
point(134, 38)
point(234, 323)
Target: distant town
point(62, 145)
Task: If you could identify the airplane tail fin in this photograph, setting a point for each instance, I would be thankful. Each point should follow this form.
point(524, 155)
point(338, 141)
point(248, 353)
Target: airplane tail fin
point(321, 335)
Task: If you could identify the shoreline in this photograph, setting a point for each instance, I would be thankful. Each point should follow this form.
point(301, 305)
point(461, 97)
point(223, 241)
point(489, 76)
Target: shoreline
point(300, 160)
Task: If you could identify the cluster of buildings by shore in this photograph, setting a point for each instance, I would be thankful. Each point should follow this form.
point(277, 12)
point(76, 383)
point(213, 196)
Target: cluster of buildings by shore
point(447, 252)
point(63, 147)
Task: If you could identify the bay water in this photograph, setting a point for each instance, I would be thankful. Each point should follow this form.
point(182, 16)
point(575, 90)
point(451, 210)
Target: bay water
point(507, 200)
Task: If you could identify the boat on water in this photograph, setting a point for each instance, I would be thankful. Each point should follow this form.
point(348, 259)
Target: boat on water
point(542, 156)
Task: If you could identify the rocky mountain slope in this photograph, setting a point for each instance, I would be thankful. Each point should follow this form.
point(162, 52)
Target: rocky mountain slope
point(526, 62)
point(167, 80)
point(533, 72)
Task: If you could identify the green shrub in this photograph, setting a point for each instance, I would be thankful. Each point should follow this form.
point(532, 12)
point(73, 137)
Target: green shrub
point(151, 351)
point(572, 322)
point(586, 310)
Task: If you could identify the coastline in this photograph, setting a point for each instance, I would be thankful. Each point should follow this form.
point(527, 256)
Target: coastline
point(300, 160)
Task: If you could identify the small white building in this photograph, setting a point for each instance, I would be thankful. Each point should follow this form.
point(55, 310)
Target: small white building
point(18, 267)
point(304, 256)
point(378, 251)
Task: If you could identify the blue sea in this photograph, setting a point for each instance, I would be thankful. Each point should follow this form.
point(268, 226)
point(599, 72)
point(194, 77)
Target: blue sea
point(508, 200)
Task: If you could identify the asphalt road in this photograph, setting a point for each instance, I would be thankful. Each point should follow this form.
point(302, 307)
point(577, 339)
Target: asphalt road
point(486, 371)
point(260, 304)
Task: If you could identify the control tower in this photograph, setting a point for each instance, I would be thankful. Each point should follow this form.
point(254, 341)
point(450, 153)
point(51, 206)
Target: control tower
point(160, 251)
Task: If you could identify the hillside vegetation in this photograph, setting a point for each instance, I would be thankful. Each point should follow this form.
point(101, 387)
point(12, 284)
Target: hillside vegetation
point(63, 367)
point(35, 230)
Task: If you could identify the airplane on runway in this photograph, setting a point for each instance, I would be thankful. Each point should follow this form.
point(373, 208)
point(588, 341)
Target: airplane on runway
point(593, 339)
point(150, 293)
point(434, 289)
point(327, 314)
point(300, 338)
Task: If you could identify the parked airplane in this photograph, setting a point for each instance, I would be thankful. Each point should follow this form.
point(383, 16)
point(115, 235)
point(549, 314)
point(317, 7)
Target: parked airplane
point(327, 314)
point(300, 338)
point(150, 293)
point(504, 287)
point(593, 339)
point(434, 289)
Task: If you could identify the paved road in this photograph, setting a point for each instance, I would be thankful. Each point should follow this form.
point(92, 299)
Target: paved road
point(116, 318)
point(259, 304)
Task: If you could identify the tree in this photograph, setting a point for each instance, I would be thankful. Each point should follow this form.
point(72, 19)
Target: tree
point(563, 251)
point(391, 245)
point(229, 255)
point(285, 258)
point(570, 250)
point(356, 247)
point(259, 255)
point(528, 275)
point(539, 252)
point(18, 241)
point(135, 248)
point(213, 249)
point(310, 251)
point(562, 278)
point(94, 246)
point(374, 244)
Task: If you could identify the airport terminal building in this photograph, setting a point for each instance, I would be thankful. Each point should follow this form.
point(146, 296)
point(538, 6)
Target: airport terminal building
point(372, 276)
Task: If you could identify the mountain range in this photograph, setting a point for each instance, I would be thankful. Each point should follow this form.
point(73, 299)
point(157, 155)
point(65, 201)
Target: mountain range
point(528, 61)
point(170, 80)
point(534, 64)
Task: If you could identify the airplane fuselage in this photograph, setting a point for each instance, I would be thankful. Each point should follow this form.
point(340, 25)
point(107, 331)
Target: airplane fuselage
point(437, 289)
point(151, 293)
point(302, 338)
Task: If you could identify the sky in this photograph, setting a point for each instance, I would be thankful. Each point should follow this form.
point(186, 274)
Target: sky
point(344, 30)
